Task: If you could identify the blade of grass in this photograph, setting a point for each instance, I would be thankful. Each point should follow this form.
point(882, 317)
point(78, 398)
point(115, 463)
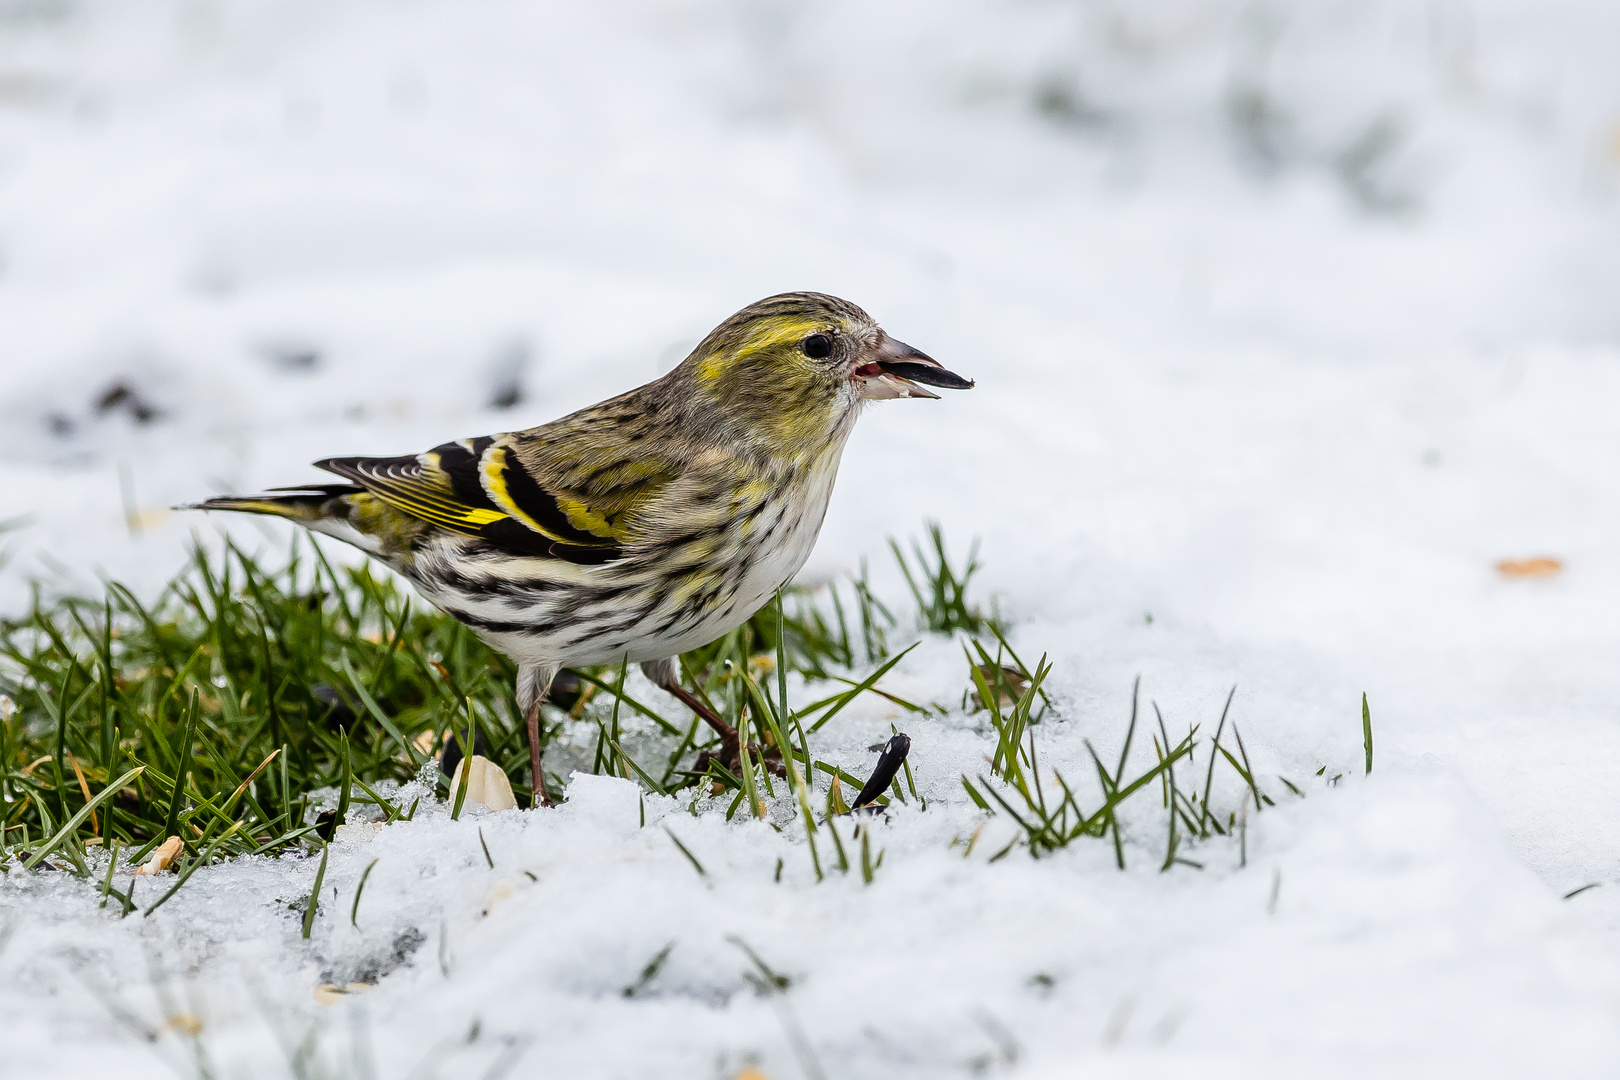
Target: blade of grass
point(177, 797)
point(618, 750)
point(354, 909)
point(78, 819)
point(628, 700)
point(1209, 774)
point(683, 849)
point(347, 781)
point(860, 687)
point(372, 707)
point(314, 903)
point(185, 875)
point(1366, 732)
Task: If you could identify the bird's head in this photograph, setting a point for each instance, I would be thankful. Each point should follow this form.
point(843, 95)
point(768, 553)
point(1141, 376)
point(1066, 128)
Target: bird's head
point(795, 368)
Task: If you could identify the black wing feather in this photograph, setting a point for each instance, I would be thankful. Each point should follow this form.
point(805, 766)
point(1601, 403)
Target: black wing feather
point(464, 506)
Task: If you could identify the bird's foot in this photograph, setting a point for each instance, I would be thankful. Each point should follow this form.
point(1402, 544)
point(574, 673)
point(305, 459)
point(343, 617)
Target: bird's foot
point(730, 753)
point(729, 756)
point(532, 722)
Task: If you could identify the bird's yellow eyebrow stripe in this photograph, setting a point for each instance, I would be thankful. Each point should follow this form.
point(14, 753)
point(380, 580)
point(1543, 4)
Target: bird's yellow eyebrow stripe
point(780, 332)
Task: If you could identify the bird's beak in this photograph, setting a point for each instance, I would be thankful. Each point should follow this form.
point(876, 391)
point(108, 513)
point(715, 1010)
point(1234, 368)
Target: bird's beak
point(894, 369)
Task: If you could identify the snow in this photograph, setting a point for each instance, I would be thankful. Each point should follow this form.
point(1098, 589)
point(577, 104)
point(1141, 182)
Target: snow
point(1289, 322)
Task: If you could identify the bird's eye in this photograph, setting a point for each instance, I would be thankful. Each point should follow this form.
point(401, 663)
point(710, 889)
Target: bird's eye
point(817, 346)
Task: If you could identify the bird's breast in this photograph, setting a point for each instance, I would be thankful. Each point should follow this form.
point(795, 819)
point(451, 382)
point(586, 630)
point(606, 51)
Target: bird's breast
point(780, 540)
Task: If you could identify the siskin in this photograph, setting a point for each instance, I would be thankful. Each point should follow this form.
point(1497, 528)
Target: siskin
point(639, 528)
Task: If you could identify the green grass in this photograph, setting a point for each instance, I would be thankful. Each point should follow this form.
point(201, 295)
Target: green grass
point(1049, 814)
point(212, 691)
point(219, 710)
point(249, 709)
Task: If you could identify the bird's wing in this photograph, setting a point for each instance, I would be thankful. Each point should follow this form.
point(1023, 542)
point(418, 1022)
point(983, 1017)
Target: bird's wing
point(569, 490)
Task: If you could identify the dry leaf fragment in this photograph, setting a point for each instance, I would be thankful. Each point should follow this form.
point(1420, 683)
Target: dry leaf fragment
point(162, 858)
point(748, 1072)
point(503, 891)
point(1540, 566)
point(150, 518)
point(835, 797)
point(185, 1023)
point(1007, 684)
point(487, 785)
point(84, 788)
point(331, 993)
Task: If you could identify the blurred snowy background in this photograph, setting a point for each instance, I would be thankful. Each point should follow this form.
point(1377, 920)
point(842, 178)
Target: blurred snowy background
point(1290, 320)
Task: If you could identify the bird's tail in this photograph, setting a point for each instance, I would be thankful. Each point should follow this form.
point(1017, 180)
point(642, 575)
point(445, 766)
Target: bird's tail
point(306, 505)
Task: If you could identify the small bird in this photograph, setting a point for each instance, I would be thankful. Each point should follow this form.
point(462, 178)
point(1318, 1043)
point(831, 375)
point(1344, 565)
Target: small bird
point(638, 528)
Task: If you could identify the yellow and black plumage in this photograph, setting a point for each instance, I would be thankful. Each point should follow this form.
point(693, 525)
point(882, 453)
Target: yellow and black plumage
point(640, 527)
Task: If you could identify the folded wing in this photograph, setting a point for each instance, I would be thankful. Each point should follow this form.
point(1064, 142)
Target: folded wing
point(479, 488)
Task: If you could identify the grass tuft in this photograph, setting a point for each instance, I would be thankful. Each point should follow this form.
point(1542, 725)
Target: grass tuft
point(250, 709)
point(1049, 814)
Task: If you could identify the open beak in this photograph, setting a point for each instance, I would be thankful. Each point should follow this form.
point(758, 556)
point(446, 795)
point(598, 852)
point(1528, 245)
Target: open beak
point(895, 370)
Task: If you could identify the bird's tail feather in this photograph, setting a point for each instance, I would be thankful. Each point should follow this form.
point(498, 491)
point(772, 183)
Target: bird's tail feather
point(305, 504)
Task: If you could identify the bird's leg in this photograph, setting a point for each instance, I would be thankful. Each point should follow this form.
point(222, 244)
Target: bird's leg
point(532, 684)
point(532, 718)
point(729, 755)
point(664, 674)
point(667, 677)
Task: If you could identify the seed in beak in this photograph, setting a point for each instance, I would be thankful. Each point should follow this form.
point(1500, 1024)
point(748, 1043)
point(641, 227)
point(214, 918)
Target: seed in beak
point(927, 374)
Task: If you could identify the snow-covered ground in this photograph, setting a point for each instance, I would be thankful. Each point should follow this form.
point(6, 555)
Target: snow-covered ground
point(1290, 320)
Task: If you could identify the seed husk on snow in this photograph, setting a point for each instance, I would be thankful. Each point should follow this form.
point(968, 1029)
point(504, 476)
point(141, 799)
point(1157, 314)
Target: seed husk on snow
point(1009, 685)
point(487, 785)
point(331, 993)
point(1539, 566)
point(162, 857)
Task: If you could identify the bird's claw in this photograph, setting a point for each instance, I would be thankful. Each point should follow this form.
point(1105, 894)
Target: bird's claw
point(729, 757)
